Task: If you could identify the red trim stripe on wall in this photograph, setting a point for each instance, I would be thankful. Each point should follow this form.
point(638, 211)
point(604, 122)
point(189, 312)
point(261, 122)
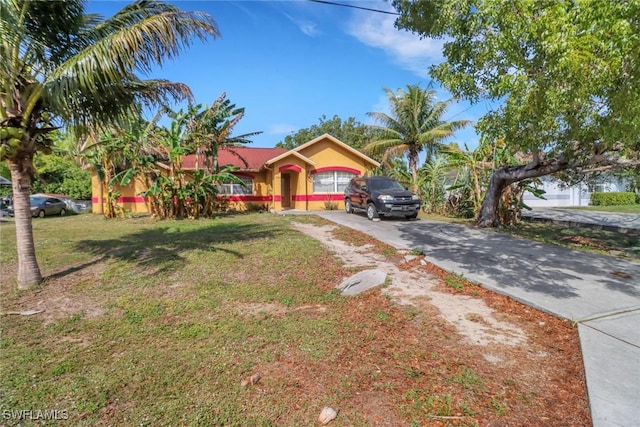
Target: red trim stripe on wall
point(335, 197)
point(336, 168)
point(240, 198)
point(123, 199)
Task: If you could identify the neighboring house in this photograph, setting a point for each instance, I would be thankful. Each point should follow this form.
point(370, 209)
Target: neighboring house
point(309, 177)
point(558, 195)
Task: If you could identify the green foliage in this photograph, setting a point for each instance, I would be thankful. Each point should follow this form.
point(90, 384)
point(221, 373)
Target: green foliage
point(468, 379)
point(213, 129)
point(5, 190)
point(432, 184)
point(454, 281)
point(176, 194)
point(64, 67)
point(613, 198)
point(563, 74)
point(330, 205)
point(61, 175)
point(415, 125)
point(396, 168)
point(256, 207)
point(498, 407)
point(349, 131)
point(46, 80)
point(4, 170)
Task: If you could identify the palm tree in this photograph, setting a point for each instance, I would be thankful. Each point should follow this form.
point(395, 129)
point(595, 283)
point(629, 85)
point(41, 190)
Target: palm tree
point(415, 125)
point(61, 66)
point(214, 128)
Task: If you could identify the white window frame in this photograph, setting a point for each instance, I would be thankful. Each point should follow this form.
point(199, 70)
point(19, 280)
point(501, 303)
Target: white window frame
point(233, 188)
point(337, 179)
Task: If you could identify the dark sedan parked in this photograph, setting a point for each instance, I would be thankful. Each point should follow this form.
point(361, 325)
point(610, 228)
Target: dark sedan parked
point(380, 196)
point(42, 206)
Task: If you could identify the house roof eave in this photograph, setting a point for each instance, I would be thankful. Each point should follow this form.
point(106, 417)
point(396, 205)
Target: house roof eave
point(290, 153)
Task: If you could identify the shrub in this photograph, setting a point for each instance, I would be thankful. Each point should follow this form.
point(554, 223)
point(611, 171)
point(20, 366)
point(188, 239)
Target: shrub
point(613, 198)
point(330, 206)
point(256, 207)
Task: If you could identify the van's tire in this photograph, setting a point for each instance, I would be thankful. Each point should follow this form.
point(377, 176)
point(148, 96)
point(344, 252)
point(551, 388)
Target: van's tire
point(41, 214)
point(412, 216)
point(372, 212)
point(63, 212)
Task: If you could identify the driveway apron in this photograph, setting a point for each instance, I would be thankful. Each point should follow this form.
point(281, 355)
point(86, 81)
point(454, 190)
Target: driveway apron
point(600, 293)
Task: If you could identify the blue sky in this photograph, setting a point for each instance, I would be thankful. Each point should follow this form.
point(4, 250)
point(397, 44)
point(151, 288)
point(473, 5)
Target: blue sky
point(290, 62)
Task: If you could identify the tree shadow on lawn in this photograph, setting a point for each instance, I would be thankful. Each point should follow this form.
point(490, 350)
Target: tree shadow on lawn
point(161, 249)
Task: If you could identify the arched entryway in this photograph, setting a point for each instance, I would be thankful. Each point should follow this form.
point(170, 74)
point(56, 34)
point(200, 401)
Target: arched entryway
point(288, 185)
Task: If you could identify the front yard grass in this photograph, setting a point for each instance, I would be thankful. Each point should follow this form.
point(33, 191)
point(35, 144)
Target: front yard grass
point(164, 322)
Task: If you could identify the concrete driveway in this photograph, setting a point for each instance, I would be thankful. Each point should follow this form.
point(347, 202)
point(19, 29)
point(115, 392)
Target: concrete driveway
point(600, 293)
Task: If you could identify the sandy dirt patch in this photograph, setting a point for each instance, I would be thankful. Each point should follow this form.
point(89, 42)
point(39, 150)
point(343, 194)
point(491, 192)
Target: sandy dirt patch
point(415, 286)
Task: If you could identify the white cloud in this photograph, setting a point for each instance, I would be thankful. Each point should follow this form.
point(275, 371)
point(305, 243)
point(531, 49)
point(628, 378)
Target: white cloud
point(407, 49)
point(381, 106)
point(307, 27)
point(281, 129)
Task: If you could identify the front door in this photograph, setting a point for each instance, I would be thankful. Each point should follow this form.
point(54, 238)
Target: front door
point(285, 191)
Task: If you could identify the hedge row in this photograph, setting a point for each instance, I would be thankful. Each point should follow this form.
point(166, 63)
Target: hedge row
point(613, 199)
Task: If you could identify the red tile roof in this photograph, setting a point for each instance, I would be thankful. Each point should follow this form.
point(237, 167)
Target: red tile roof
point(254, 158)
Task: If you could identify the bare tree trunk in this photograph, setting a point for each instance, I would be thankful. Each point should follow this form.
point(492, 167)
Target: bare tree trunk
point(507, 175)
point(489, 210)
point(28, 269)
point(100, 196)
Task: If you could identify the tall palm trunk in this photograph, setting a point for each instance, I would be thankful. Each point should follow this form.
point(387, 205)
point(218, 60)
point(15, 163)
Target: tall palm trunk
point(28, 269)
point(413, 167)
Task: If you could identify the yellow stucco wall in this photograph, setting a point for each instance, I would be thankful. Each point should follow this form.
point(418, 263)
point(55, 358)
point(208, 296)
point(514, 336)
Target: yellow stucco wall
point(129, 198)
point(261, 196)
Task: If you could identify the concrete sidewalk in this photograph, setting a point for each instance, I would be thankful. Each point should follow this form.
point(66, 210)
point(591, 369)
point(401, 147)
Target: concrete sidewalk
point(600, 293)
point(583, 218)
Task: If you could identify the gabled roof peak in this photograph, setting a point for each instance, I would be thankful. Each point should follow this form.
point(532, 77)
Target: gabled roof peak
point(338, 142)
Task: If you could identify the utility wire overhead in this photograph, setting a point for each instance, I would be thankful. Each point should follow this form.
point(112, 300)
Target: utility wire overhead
point(355, 7)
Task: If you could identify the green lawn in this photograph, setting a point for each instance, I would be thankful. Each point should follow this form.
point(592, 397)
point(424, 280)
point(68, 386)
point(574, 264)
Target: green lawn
point(157, 323)
point(160, 322)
